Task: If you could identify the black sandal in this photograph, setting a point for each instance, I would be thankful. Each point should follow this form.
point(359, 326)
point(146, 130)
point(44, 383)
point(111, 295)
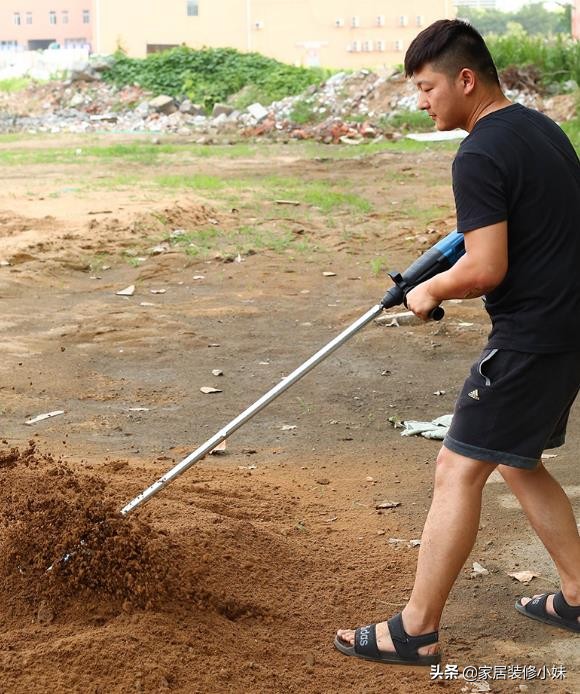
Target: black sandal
point(406, 647)
point(536, 609)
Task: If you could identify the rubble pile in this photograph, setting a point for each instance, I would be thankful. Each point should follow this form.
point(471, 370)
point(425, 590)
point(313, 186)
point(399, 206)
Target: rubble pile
point(348, 108)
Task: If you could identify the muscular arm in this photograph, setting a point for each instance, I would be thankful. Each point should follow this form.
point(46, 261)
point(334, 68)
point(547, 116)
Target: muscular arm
point(480, 270)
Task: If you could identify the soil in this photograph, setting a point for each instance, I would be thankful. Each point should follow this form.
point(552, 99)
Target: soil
point(235, 577)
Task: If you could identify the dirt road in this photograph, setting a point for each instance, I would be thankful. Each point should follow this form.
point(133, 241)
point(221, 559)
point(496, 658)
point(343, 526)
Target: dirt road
point(238, 574)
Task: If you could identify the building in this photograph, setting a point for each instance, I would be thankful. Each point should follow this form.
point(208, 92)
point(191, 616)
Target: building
point(327, 33)
point(38, 24)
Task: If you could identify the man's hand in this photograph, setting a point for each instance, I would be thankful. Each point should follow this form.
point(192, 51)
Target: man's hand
point(421, 301)
point(476, 273)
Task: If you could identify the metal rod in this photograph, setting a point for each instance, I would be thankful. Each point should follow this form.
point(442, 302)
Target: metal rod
point(247, 414)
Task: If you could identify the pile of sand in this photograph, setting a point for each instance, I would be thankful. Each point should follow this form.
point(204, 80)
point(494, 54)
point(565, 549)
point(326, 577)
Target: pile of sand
point(61, 537)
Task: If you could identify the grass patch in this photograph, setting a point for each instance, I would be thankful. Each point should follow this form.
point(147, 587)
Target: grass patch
point(193, 182)
point(14, 84)
point(244, 240)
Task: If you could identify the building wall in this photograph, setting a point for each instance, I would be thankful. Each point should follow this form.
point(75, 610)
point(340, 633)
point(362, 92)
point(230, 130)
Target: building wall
point(330, 33)
point(26, 24)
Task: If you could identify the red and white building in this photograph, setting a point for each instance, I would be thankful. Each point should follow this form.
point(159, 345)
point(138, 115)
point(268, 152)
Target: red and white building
point(27, 25)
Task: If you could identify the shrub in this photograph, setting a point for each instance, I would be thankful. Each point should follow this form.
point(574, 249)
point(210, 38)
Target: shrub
point(212, 75)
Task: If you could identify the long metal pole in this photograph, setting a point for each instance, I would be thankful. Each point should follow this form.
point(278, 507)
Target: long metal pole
point(247, 414)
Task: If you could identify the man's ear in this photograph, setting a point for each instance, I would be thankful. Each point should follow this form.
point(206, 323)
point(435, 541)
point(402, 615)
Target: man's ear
point(468, 79)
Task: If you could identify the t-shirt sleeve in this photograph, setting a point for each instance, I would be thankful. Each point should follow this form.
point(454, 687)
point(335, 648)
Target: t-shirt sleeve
point(480, 198)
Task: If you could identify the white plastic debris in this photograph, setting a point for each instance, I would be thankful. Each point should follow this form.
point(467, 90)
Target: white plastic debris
point(438, 135)
point(42, 417)
point(479, 570)
point(436, 429)
point(208, 389)
point(523, 576)
point(128, 291)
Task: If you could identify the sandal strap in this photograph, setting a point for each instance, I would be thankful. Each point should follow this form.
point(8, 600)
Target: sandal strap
point(563, 609)
point(537, 606)
point(365, 641)
point(405, 645)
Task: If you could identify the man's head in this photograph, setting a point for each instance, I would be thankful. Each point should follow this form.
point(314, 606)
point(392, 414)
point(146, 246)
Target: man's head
point(454, 73)
point(449, 45)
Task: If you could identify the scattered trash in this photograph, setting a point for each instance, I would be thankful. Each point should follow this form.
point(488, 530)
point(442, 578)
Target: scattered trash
point(414, 543)
point(128, 291)
point(220, 449)
point(42, 417)
point(208, 389)
point(388, 504)
point(217, 372)
point(479, 570)
point(138, 409)
point(438, 135)
point(549, 456)
point(287, 202)
point(436, 429)
point(158, 291)
point(288, 427)
point(199, 277)
point(439, 392)
point(329, 274)
point(391, 320)
point(524, 576)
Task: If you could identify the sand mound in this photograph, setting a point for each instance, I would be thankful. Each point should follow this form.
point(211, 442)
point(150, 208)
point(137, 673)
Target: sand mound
point(61, 537)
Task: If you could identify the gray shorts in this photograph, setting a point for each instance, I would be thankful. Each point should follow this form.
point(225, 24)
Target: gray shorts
point(513, 406)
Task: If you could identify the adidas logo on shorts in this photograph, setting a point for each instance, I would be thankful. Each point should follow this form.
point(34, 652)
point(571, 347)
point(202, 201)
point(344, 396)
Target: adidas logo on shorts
point(474, 394)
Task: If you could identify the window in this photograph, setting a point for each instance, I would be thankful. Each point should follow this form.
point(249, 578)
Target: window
point(339, 22)
point(29, 17)
point(367, 46)
point(17, 19)
point(86, 16)
point(381, 46)
point(403, 21)
point(419, 20)
point(355, 22)
point(52, 17)
point(64, 17)
point(381, 20)
point(193, 8)
point(8, 45)
point(398, 45)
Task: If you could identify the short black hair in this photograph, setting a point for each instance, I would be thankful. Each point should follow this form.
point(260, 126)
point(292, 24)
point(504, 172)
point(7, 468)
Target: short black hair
point(450, 45)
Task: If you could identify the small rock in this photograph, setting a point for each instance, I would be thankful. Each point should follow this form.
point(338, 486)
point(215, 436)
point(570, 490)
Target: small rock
point(217, 372)
point(323, 481)
point(128, 291)
point(208, 389)
point(163, 104)
point(388, 504)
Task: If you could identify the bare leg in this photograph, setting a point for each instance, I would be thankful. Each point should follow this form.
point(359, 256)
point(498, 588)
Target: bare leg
point(551, 516)
point(448, 538)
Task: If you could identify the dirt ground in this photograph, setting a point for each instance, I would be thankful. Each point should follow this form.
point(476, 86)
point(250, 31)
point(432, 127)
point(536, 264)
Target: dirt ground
point(235, 577)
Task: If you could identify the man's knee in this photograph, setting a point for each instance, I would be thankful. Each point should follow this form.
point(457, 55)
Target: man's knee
point(455, 469)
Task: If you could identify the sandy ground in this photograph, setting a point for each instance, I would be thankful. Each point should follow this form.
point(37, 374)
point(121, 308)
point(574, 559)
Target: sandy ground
point(235, 577)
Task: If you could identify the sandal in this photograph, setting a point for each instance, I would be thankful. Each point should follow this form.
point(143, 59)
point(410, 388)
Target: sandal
point(406, 647)
point(536, 609)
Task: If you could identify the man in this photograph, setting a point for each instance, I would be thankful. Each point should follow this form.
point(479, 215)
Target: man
point(516, 182)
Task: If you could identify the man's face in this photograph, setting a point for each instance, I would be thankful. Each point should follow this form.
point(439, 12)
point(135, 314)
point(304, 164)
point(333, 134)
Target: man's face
point(442, 97)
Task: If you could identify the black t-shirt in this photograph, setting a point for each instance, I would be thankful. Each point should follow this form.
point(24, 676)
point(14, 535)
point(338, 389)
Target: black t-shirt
point(518, 165)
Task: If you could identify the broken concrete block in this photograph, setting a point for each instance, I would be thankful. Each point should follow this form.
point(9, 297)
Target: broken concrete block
point(163, 104)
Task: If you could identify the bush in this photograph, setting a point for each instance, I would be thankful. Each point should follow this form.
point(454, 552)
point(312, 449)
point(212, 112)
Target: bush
point(557, 58)
point(212, 75)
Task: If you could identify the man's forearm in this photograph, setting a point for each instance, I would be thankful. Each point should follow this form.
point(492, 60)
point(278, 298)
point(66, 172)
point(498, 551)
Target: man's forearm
point(465, 280)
